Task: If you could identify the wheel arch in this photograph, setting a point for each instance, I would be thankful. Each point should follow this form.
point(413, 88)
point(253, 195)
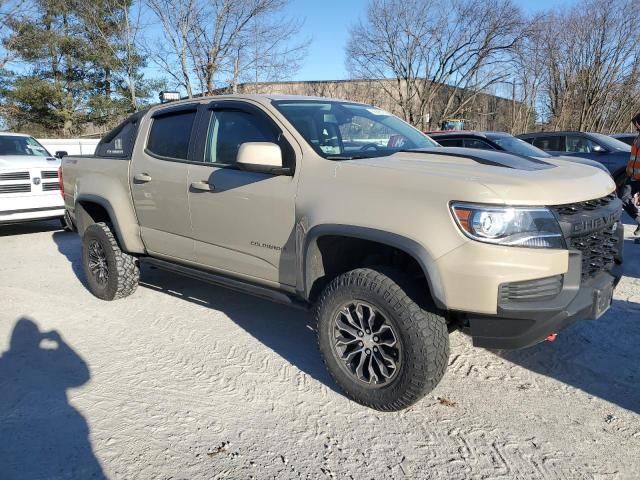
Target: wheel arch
point(317, 269)
point(91, 208)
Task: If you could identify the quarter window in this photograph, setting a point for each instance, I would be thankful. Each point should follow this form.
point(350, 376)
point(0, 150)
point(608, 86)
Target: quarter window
point(170, 133)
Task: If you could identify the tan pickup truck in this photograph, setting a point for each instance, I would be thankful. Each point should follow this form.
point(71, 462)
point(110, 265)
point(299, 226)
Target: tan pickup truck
point(345, 209)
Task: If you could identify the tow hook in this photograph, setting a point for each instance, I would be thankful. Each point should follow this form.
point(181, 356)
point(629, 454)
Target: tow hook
point(552, 337)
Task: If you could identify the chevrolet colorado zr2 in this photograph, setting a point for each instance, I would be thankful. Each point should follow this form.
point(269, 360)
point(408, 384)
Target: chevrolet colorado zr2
point(392, 240)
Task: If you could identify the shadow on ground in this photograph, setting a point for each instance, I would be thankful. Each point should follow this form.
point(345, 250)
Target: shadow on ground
point(68, 244)
point(600, 357)
point(30, 227)
point(287, 331)
point(41, 434)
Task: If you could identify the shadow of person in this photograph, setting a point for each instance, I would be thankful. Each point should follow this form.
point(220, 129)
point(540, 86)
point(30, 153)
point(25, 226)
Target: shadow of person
point(41, 434)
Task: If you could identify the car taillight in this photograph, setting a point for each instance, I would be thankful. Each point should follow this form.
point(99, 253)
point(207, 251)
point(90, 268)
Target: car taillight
point(60, 182)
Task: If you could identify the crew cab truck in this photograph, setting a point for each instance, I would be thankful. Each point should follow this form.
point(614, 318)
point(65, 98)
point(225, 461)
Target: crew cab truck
point(345, 209)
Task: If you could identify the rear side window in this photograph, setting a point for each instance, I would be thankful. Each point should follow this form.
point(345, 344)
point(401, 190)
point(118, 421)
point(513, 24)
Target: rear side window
point(449, 142)
point(119, 142)
point(478, 144)
point(170, 133)
point(554, 143)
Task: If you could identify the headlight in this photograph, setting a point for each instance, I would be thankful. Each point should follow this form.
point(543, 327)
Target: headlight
point(514, 226)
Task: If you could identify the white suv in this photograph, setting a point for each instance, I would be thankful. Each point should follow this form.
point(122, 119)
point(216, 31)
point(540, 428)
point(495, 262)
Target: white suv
point(29, 180)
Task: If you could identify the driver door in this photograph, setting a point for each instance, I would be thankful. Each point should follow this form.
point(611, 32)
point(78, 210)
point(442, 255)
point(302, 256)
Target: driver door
point(243, 222)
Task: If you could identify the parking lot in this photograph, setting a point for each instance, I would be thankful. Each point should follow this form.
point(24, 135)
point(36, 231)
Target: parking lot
point(187, 380)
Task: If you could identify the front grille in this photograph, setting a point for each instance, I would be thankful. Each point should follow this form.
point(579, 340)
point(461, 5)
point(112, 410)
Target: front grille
point(49, 174)
point(591, 227)
point(599, 250)
point(14, 176)
point(15, 188)
point(531, 290)
point(50, 187)
point(587, 206)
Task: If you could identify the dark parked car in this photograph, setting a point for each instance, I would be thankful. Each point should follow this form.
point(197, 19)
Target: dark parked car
point(503, 142)
point(612, 153)
point(627, 138)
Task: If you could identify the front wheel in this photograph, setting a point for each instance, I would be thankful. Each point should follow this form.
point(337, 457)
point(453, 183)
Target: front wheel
point(111, 273)
point(379, 345)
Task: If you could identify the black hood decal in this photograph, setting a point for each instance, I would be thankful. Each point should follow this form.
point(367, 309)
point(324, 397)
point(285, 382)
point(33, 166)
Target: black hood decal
point(489, 157)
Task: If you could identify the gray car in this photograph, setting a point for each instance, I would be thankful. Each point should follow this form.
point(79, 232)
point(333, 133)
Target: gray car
point(503, 142)
point(612, 153)
point(627, 138)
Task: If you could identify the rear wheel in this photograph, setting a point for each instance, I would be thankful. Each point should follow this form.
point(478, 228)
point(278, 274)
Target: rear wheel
point(380, 346)
point(111, 273)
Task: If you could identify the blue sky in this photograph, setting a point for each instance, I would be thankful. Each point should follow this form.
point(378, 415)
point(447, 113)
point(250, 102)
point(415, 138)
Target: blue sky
point(328, 22)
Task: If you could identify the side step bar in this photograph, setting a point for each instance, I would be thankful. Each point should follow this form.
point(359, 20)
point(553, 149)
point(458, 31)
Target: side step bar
point(227, 282)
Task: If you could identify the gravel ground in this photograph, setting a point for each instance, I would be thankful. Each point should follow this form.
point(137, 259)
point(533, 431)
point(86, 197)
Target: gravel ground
point(186, 380)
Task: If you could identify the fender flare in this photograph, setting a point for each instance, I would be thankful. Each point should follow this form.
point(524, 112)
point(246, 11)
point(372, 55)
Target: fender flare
point(308, 255)
point(82, 219)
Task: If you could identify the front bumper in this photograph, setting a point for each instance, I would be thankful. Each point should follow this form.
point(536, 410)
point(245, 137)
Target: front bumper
point(519, 324)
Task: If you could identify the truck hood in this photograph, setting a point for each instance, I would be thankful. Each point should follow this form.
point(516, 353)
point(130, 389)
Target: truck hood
point(16, 162)
point(507, 178)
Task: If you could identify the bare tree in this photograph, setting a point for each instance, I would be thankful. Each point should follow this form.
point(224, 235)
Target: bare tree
point(437, 60)
point(267, 50)
point(592, 63)
point(180, 20)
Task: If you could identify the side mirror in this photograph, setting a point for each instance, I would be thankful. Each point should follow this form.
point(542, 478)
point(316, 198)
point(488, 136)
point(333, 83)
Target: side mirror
point(261, 157)
point(598, 149)
point(61, 153)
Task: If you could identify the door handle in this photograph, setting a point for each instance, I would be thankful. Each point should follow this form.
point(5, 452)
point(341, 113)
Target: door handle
point(203, 186)
point(141, 178)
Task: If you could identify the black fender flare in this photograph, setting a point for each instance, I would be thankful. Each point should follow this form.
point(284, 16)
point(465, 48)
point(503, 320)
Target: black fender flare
point(308, 253)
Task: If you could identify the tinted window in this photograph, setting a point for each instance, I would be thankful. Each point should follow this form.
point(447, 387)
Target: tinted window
point(228, 129)
point(450, 142)
point(118, 143)
point(579, 144)
point(170, 133)
point(554, 143)
point(475, 143)
point(19, 145)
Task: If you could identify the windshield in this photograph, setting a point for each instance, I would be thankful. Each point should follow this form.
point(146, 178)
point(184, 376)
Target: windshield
point(351, 130)
point(17, 145)
point(517, 146)
point(611, 143)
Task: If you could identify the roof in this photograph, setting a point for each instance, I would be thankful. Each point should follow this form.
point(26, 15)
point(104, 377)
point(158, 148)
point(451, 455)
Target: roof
point(258, 97)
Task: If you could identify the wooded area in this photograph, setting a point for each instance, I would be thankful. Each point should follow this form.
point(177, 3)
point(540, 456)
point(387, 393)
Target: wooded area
point(68, 66)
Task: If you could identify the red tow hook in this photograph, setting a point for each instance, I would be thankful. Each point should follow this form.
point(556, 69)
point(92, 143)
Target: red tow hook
point(552, 337)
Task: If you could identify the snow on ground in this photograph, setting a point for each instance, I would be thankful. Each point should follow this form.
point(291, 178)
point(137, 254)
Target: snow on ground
point(185, 380)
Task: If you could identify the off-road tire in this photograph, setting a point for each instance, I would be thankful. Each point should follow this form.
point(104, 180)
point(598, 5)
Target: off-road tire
point(422, 331)
point(123, 269)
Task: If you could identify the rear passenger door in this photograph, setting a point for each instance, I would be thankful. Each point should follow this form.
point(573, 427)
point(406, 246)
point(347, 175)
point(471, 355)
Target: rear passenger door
point(159, 181)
